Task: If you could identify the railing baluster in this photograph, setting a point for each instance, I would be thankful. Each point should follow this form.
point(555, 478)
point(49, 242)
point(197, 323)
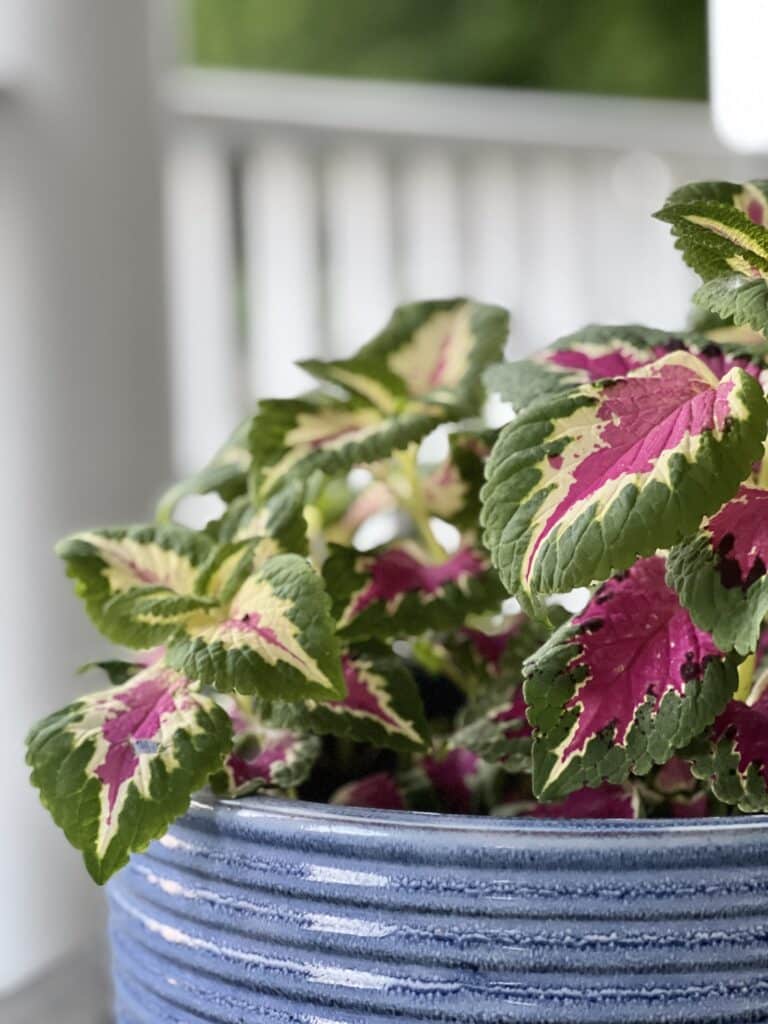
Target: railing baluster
point(430, 242)
point(205, 393)
point(282, 266)
point(360, 244)
point(553, 274)
point(492, 218)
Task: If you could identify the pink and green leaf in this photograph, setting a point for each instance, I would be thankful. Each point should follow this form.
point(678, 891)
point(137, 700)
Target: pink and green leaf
point(279, 516)
point(430, 353)
point(379, 790)
point(625, 684)
point(493, 722)
point(449, 781)
point(500, 734)
point(458, 779)
point(721, 231)
point(675, 778)
point(599, 352)
point(488, 658)
point(274, 638)
point(292, 438)
point(117, 767)
point(582, 483)
point(719, 226)
point(604, 801)
point(231, 563)
point(676, 792)
point(720, 573)
point(398, 590)
point(697, 805)
point(262, 757)
point(382, 706)
point(138, 583)
point(732, 759)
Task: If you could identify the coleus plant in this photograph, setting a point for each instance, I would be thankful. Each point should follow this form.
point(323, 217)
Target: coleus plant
point(361, 626)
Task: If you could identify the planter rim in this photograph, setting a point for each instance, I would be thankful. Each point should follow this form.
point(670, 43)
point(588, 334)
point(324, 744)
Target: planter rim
point(332, 817)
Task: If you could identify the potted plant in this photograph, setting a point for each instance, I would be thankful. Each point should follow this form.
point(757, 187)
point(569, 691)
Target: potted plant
point(590, 855)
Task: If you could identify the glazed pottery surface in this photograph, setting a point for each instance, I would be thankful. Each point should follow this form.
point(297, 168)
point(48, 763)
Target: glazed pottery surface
point(264, 910)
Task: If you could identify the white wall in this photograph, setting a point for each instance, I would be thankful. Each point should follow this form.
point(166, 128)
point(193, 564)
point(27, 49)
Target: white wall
point(83, 410)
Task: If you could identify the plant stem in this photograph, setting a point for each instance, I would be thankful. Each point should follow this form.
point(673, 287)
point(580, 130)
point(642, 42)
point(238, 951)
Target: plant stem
point(315, 537)
point(416, 503)
point(762, 477)
point(746, 672)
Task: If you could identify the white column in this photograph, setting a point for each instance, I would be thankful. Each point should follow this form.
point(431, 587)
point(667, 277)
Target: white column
point(83, 404)
point(738, 85)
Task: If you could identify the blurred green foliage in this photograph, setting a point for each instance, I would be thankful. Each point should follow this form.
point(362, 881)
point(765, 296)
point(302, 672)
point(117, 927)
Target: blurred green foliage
point(631, 47)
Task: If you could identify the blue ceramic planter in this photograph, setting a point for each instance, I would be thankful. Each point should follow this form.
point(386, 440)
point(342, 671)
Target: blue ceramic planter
point(268, 911)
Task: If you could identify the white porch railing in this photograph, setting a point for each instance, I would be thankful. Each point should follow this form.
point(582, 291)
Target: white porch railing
point(302, 210)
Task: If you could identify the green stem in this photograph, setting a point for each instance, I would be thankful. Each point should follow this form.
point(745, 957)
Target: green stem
point(315, 536)
point(762, 476)
point(746, 674)
point(416, 503)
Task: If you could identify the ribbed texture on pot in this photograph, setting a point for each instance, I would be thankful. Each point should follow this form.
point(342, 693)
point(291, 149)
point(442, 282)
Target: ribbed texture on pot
point(292, 913)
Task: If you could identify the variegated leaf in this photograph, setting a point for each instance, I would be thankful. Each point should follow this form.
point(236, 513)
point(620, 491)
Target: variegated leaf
point(489, 661)
point(452, 489)
point(695, 805)
point(721, 230)
point(117, 767)
point(279, 516)
point(493, 722)
point(722, 330)
point(230, 564)
point(744, 299)
point(381, 707)
point(138, 583)
point(579, 485)
point(674, 792)
point(622, 686)
point(720, 573)
point(116, 671)
point(291, 438)
point(460, 779)
point(262, 757)
point(397, 590)
point(733, 758)
point(500, 734)
point(380, 790)
point(599, 352)
point(226, 475)
point(119, 672)
point(604, 801)
point(275, 637)
point(674, 777)
point(429, 353)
